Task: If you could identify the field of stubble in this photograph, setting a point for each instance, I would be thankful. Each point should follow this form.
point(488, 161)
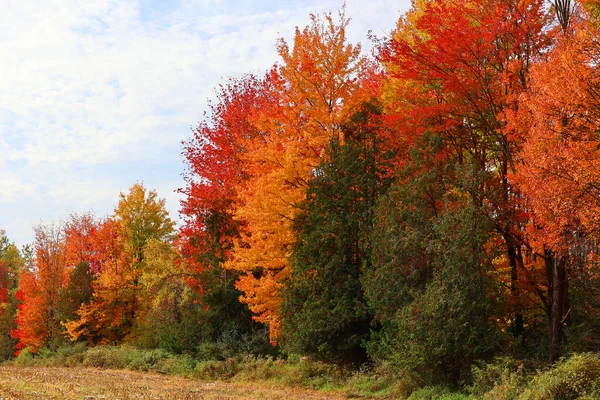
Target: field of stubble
point(92, 384)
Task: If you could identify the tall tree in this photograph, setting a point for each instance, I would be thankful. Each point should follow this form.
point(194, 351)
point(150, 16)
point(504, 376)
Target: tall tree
point(323, 306)
point(215, 172)
point(110, 316)
point(560, 161)
point(310, 94)
point(455, 68)
point(38, 318)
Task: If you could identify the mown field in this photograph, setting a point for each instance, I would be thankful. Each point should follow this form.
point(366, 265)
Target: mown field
point(90, 383)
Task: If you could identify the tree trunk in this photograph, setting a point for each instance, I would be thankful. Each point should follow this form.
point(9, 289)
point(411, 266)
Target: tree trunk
point(558, 295)
point(517, 324)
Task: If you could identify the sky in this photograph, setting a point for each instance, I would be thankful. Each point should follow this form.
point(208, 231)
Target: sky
point(97, 95)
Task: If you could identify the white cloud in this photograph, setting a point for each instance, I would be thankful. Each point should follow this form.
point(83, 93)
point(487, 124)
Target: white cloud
point(99, 94)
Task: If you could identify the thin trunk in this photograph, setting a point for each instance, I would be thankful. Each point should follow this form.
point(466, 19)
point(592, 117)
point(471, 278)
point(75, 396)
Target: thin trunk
point(517, 324)
point(558, 281)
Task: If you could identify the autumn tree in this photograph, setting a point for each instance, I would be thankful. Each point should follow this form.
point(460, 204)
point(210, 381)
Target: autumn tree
point(560, 162)
point(310, 94)
point(170, 318)
point(39, 292)
point(454, 70)
point(216, 170)
point(111, 314)
point(11, 264)
point(81, 257)
point(102, 319)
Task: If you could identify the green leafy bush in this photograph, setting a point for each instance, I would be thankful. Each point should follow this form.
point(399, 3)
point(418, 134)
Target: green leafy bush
point(104, 357)
point(571, 378)
point(503, 379)
point(25, 357)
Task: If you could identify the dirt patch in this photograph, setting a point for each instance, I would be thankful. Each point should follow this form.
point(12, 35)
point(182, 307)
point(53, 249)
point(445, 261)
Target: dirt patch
point(95, 384)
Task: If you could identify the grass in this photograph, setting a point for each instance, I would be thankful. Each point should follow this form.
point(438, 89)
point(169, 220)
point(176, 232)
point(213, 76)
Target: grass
point(577, 377)
point(294, 372)
point(91, 383)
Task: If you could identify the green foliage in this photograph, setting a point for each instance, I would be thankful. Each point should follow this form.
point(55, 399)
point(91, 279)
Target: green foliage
point(502, 379)
point(234, 343)
point(211, 370)
point(25, 357)
point(221, 314)
point(429, 286)
point(446, 327)
point(11, 264)
point(576, 377)
point(8, 310)
point(323, 307)
point(382, 380)
point(110, 357)
point(572, 378)
point(294, 371)
point(583, 330)
point(403, 225)
point(171, 322)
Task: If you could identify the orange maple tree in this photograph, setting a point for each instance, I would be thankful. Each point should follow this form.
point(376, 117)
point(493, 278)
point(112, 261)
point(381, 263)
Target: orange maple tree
point(37, 320)
point(560, 160)
point(454, 69)
point(314, 89)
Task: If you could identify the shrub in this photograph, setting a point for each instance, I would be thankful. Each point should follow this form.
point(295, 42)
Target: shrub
point(176, 365)
point(571, 378)
point(226, 369)
point(504, 379)
point(381, 380)
point(233, 343)
point(104, 357)
point(143, 360)
point(25, 357)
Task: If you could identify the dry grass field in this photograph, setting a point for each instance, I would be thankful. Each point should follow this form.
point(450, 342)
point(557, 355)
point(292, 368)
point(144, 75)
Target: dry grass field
point(91, 384)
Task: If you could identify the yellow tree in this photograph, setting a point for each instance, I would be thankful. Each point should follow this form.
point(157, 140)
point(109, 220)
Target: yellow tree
point(139, 217)
point(310, 94)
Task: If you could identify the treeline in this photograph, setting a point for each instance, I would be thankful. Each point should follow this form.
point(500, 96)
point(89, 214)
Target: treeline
point(108, 281)
point(429, 207)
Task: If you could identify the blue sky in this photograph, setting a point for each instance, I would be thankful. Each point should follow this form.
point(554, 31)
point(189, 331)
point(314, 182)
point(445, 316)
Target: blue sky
point(96, 95)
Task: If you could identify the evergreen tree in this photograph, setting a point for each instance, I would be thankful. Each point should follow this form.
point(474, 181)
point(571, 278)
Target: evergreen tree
point(324, 309)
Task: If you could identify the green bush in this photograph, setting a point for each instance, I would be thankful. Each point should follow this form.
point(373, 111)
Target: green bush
point(25, 357)
point(176, 365)
point(297, 372)
point(572, 378)
point(259, 368)
point(233, 343)
point(104, 357)
point(503, 379)
point(144, 360)
point(381, 380)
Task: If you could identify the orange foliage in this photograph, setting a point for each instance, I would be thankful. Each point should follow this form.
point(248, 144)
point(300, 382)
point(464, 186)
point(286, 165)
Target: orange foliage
point(39, 291)
point(117, 246)
point(309, 95)
point(80, 241)
point(560, 161)
point(101, 319)
point(31, 331)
